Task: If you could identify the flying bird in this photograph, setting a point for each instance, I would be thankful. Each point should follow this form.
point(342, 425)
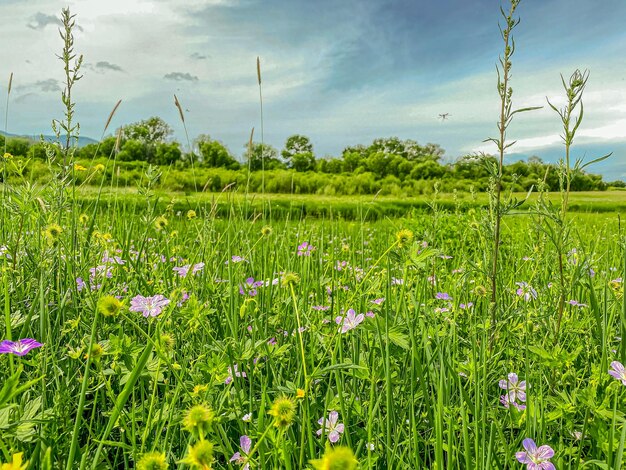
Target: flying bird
point(444, 116)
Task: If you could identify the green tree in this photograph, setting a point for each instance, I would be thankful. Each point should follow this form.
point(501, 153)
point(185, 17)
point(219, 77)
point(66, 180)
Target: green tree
point(298, 153)
point(260, 152)
point(215, 154)
point(149, 131)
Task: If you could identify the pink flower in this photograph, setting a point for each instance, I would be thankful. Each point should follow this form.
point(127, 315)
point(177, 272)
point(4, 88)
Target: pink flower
point(536, 458)
point(515, 389)
point(618, 372)
point(234, 372)
point(20, 347)
point(148, 306)
point(350, 321)
point(245, 443)
point(331, 427)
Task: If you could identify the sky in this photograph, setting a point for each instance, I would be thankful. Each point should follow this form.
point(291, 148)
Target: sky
point(342, 72)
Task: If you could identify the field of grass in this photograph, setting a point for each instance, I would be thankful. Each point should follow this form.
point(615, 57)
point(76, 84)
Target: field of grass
point(369, 208)
point(171, 337)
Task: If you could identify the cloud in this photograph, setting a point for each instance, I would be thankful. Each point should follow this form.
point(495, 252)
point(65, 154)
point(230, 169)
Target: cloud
point(40, 20)
point(198, 56)
point(179, 76)
point(104, 66)
point(49, 85)
point(22, 98)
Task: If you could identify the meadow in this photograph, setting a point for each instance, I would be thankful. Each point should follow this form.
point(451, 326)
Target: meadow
point(154, 329)
point(172, 334)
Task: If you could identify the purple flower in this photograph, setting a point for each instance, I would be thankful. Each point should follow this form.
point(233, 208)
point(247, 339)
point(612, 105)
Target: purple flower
point(182, 270)
point(378, 301)
point(536, 458)
point(234, 372)
point(148, 306)
point(196, 268)
point(80, 284)
point(331, 427)
point(249, 287)
point(515, 389)
point(20, 347)
point(321, 308)
point(245, 443)
point(618, 371)
point(506, 402)
point(466, 306)
point(442, 296)
point(350, 321)
point(576, 303)
point(304, 249)
point(525, 291)
point(236, 259)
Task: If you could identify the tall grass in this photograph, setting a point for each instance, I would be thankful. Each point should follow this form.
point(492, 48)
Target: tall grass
point(187, 336)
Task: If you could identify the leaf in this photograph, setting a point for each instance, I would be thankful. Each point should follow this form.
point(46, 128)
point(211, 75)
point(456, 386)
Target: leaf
point(596, 161)
point(399, 339)
point(524, 110)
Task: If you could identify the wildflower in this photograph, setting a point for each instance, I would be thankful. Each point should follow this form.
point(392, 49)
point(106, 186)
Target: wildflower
point(338, 458)
point(245, 443)
point(290, 279)
point(284, 412)
point(506, 402)
point(152, 461)
point(236, 259)
point(536, 458)
point(234, 372)
point(191, 214)
point(576, 303)
point(53, 231)
point(331, 427)
point(196, 268)
point(78, 167)
point(20, 347)
point(443, 296)
point(182, 271)
point(266, 231)
point(300, 393)
point(200, 456)
point(160, 223)
point(320, 308)
point(80, 284)
point(247, 417)
point(7, 156)
point(99, 167)
point(404, 237)
point(350, 321)
point(370, 446)
point(249, 287)
point(96, 352)
point(515, 389)
point(378, 301)
point(466, 306)
point(109, 306)
point(198, 420)
point(618, 371)
point(271, 342)
point(16, 463)
point(148, 306)
point(396, 282)
point(525, 291)
point(304, 249)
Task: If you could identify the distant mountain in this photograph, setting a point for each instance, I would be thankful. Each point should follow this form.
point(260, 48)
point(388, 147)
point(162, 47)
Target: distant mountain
point(82, 141)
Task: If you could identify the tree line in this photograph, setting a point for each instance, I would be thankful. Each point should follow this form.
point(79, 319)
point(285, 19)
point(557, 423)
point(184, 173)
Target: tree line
point(391, 160)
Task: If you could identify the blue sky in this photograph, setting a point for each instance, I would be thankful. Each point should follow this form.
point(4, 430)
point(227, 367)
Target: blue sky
point(340, 71)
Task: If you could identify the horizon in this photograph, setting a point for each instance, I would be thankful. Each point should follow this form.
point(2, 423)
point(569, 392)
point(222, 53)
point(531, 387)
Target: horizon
point(363, 71)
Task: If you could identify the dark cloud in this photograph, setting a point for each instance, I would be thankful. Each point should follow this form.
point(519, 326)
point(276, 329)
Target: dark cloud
point(40, 20)
point(198, 56)
point(22, 98)
point(49, 85)
point(104, 66)
point(179, 76)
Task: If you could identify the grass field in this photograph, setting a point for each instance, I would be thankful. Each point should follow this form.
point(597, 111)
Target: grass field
point(178, 338)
